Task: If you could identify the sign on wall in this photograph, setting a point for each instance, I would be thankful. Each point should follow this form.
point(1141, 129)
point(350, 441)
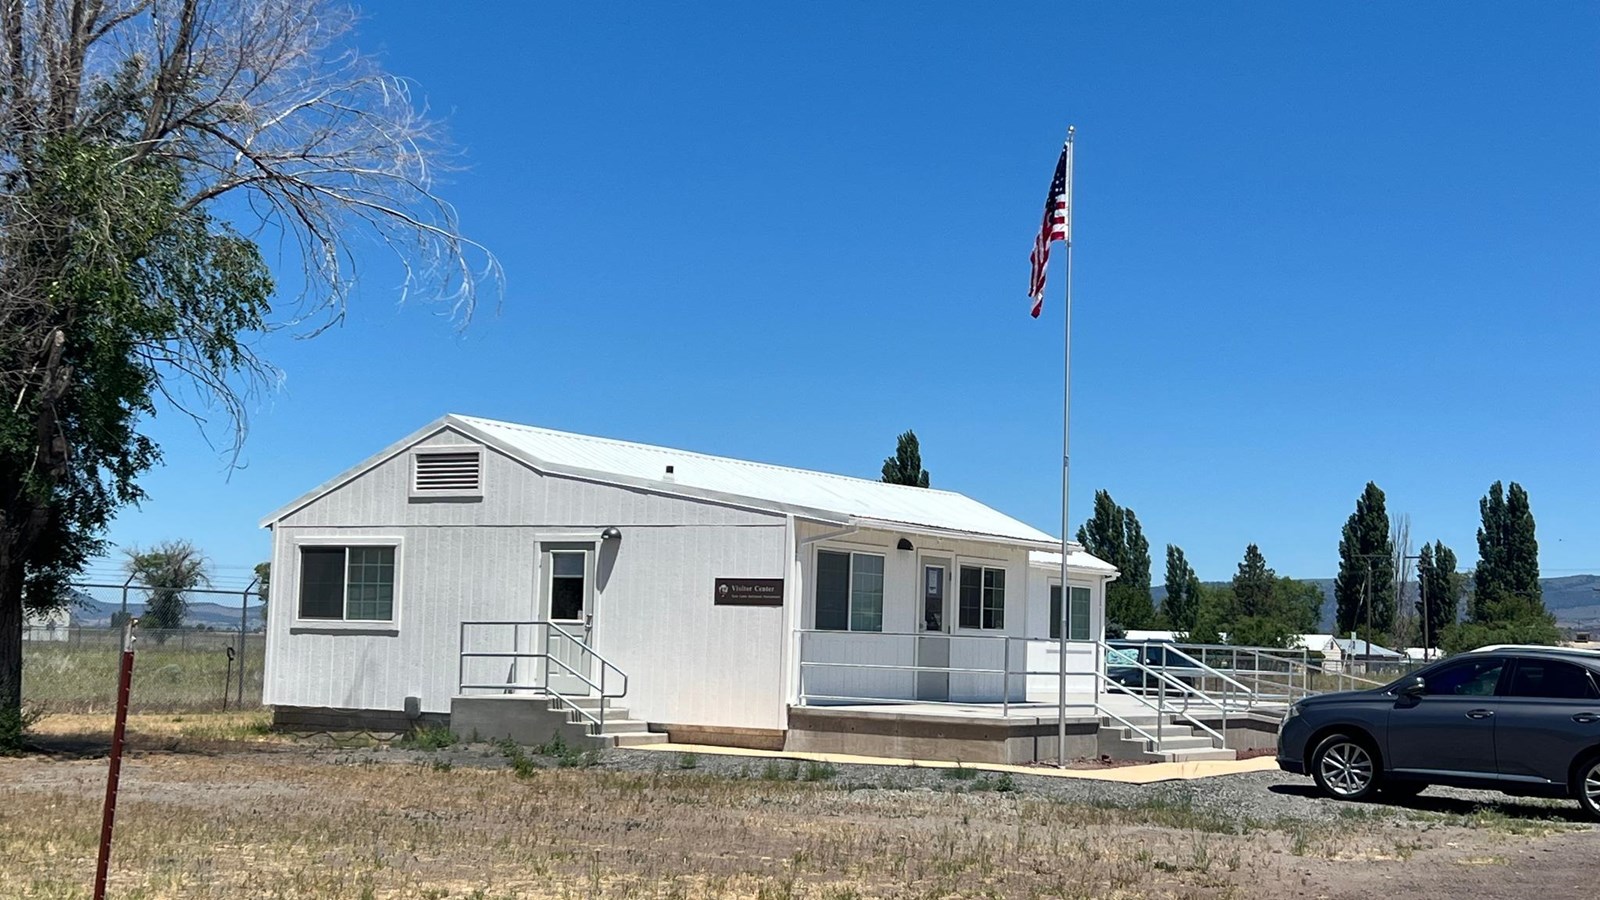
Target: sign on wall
point(748, 592)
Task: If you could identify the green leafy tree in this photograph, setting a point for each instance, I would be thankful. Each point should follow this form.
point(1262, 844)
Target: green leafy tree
point(1269, 611)
point(905, 466)
point(147, 146)
point(1214, 610)
point(170, 570)
point(263, 586)
point(1439, 588)
point(1366, 569)
point(1181, 607)
point(1114, 535)
point(1298, 604)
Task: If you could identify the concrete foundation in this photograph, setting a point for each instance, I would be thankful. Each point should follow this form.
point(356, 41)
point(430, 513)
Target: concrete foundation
point(525, 720)
point(885, 732)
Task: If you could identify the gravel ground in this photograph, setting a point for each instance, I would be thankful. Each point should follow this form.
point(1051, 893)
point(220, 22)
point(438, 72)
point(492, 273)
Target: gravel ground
point(1253, 799)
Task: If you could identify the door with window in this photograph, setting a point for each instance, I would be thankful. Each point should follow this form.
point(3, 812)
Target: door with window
point(1549, 714)
point(1451, 726)
point(567, 604)
point(933, 639)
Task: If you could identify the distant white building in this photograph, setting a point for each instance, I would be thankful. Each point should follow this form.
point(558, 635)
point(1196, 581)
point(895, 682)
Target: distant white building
point(1350, 654)
point(477, 556)
point(54, 625)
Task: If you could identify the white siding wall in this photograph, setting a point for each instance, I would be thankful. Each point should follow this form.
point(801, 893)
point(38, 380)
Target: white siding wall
point(689, 662)
point(902, 610)
point(1043, 653)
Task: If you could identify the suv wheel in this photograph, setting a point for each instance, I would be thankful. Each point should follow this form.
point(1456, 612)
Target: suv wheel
point(1586, 785)
point(1345, 769)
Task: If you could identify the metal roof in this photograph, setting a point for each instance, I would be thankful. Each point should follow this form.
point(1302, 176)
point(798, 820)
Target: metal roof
point(1079, 560)
point(831, 498)
point(855, 498)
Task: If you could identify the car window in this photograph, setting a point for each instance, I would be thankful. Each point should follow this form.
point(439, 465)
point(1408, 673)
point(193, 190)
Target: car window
point(1552, 680)
point(1470, 678)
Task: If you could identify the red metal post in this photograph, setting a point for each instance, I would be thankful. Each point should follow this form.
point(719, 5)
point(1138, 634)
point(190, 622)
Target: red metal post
point(124, 683)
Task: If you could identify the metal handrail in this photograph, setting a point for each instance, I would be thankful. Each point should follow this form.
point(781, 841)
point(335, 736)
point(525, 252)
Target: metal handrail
point(596, 723)
point(1186, 690)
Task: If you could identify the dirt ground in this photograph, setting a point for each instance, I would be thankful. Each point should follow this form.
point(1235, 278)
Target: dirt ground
point(213, 808)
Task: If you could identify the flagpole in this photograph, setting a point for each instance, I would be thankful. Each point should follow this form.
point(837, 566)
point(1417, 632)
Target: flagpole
point(1066, 466)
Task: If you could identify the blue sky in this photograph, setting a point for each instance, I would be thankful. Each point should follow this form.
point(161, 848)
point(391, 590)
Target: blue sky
point(1314, 246)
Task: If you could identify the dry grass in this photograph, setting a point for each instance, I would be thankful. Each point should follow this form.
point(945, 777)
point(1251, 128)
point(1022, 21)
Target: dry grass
point(185, 673)
point(214, 809)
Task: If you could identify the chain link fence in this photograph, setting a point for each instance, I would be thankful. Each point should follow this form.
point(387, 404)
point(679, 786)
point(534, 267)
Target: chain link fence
point(213, 663)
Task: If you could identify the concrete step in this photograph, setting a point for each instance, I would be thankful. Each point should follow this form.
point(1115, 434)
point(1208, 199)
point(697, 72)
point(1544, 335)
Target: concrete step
point(1197, 755)
point(623, 726)
point(636, 738)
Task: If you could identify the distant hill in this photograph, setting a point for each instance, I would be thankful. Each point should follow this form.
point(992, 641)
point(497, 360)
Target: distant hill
point(92, 613)
point(1574, 599)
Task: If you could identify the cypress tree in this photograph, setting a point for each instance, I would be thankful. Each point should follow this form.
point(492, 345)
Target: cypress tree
point(1366, 568)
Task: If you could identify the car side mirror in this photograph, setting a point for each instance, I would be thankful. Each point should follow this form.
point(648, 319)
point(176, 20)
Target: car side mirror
point(1415, 687)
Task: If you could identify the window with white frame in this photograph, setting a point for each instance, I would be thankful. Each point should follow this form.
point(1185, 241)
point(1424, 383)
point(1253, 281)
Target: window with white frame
point(347, 583)
point(982, 597)
point(849, 591)
point(1077, 614)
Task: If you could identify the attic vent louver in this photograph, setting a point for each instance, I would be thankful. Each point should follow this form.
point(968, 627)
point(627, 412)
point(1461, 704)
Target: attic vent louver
point(459, 472)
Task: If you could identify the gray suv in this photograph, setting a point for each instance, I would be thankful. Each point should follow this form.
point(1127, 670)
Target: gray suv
point(1521, 720)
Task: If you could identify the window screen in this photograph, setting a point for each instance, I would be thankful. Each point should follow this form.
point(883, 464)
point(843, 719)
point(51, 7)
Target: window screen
point(1552, 680)
point(866, 593)
point(369, 594)
point(994, 598)
point(321, 582)
point(971, 597)
point(1055, 612)
point(833, 590)
point(1078, 615)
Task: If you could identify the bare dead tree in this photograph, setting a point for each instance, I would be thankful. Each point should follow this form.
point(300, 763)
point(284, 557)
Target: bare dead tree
point(1405, 625)
point(156, 157)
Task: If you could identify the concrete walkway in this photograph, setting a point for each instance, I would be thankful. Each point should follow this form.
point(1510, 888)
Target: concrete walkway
point(1149, 773)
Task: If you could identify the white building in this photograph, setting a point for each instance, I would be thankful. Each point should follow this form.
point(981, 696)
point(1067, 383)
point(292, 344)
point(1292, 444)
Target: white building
point(54, 625)
point(725, 593)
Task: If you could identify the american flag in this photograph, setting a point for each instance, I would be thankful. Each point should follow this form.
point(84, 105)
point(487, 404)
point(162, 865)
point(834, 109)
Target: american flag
point(1057, 226)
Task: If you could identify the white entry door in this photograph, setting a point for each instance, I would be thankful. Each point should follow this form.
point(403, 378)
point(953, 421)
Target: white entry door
point(567, 603)
point(933, 641)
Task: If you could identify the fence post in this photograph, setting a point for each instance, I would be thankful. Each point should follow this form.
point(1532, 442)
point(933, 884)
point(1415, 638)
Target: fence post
point(244, 617)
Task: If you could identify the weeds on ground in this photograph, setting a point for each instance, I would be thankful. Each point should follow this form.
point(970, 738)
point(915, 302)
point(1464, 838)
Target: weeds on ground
point(566, 755)
point(775, 770)
point(522, 765)
point(959, 773)
point(14, 724)
point(688, 761)
point(429, 737)
point(820, 771)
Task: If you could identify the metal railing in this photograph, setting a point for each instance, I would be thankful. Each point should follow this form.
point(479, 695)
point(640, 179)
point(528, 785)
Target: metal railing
point(1261, 678)
point(595, 690)
point(1173, 682)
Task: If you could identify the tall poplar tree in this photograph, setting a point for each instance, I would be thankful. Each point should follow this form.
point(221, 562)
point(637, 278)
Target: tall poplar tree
point(1506, 582)
point(1182, 603)
point(905, 466)
point(1439, 588)
point(1366, 568)
point(1114, 535)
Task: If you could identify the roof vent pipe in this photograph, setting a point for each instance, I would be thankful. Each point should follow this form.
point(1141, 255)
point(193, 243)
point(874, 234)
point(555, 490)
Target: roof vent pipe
point(669, 476)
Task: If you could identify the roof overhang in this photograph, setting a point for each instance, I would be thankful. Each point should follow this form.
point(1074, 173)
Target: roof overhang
point(654, 486)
